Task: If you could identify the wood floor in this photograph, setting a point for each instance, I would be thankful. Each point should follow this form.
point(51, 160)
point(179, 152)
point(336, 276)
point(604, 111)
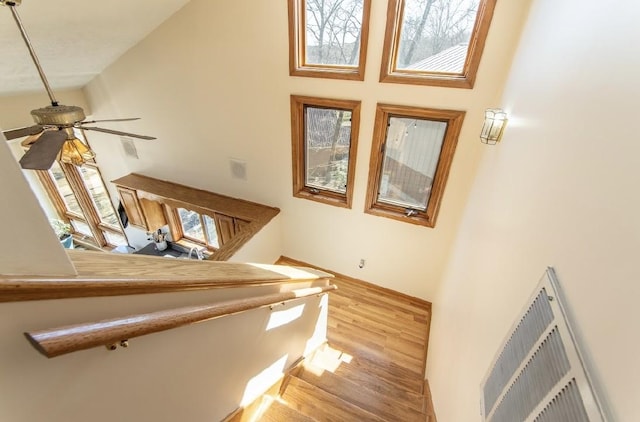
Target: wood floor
point(372, 368)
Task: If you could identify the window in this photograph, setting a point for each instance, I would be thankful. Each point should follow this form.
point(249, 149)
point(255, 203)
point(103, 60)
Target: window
point(435, 42)
point(324, 143)
point(80, 196)
point(410, 159)
point(328, 38)
point(198, 228)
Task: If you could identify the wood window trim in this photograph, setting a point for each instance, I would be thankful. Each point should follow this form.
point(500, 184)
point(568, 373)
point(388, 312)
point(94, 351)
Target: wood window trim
point(389, 73)
point(300, 190)
point(427, 218)
point(90, 215)
point(297, 47)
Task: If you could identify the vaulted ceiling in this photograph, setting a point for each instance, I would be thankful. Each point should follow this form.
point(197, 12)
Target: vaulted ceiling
point(74, 39)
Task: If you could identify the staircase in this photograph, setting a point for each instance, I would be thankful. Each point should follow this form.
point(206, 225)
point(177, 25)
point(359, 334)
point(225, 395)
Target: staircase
point(372, 368)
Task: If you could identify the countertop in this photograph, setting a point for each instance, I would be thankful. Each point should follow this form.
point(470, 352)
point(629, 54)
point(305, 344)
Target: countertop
point(151, 249)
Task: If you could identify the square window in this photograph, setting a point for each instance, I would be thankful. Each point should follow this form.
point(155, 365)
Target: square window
point(198, 228)
point(324, 143)
point(435, 42)
point(410, 160)
point(191, 225)
point(328, 38)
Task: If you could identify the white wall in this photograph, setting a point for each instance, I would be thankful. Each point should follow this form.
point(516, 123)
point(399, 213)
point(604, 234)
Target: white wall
point(561, 190)
point(264, 247)
point(197, 373)
point(30, 244)
point(212, 83)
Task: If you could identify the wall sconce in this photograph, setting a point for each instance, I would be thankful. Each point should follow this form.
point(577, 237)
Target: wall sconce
point(495, 121)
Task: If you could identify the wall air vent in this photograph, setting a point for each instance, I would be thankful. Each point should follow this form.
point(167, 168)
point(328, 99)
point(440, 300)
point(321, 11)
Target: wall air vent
point(538, 374)
point(129, 147)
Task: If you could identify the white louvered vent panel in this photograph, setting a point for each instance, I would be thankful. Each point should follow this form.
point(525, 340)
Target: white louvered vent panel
point(545, 369)
point(538, 374)
point(566, 406)
point(531, 326)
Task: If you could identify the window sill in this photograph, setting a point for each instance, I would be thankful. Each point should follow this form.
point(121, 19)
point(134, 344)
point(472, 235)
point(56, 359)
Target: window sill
point(324, 198)
point(443, 80)
point(419, 219)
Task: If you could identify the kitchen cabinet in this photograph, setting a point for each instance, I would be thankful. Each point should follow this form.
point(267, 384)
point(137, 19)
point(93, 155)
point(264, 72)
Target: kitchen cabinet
point(143, 213)
point(132, 207)
point(153, 214)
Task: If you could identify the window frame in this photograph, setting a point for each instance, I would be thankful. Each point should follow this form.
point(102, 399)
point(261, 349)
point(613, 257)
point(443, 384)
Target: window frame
point(297, 47)
point(179, 229)
point(225, 234)
point(298, 143)
point(90, 215)
point(466, 79)
point(454, 120)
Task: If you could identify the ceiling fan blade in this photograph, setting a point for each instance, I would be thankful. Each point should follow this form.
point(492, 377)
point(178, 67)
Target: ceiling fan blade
point(109, 120)
point(117, 132)
point(43, 152)
point(21, 132)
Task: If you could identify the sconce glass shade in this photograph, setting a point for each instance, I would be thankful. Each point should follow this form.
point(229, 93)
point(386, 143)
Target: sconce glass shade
point(495, 121)
point(74, 151)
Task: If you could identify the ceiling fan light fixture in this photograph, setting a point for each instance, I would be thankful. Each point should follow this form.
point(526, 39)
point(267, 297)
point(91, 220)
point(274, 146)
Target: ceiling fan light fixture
point(55, 123)
point(74, 151)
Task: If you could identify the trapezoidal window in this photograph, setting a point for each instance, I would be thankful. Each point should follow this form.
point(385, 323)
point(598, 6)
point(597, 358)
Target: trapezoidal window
point(435, 42)
point(328, 38)
point(410, 159)
point(324, 135)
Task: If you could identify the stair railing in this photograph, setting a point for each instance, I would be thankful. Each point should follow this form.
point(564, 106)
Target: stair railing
point(59, 341)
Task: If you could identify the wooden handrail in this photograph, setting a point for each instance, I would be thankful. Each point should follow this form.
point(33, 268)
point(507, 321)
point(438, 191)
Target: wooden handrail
point(103, 274)
point(59, 341)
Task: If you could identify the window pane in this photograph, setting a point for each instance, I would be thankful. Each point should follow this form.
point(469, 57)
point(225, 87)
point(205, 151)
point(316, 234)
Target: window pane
point(435, 35)
point(212, 234)
point(412, 150)
point(327, 140)
point(333, 32)
point(82, 227)
point(97, 191)
point(191, 225)
point(65, 190)
point(115, 239)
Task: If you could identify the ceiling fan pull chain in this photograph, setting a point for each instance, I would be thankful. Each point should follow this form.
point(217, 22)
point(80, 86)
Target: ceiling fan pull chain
point(25, 37)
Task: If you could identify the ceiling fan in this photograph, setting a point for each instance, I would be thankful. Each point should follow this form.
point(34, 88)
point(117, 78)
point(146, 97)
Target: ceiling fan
point(53, 134)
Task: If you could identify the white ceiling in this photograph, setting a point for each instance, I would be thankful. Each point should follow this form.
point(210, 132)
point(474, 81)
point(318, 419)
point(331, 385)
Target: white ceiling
point(74, 39)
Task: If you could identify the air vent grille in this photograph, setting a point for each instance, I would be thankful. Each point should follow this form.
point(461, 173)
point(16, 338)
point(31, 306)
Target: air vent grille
point(566, 406)
point(538, 374)
point(531, 326)
point(545, 369)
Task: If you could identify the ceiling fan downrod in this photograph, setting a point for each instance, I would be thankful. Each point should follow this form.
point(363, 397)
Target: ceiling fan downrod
point(12, 5)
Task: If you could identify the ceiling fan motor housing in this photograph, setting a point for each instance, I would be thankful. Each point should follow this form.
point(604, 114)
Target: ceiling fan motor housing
point(60, 115)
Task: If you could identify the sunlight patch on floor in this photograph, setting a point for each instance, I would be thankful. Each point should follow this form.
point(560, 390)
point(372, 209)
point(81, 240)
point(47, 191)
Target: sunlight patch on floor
point(327, 359)
point(264, 406)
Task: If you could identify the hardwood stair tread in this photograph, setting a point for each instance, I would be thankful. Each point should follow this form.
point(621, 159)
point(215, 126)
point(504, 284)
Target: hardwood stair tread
point(342, 364)
point(322, 405)
point(280, 412)
point(370, 362)
point(385, 407)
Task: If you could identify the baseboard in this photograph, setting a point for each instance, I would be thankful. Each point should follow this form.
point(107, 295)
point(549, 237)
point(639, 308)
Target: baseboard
point(416, 300)
point(429, 411)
